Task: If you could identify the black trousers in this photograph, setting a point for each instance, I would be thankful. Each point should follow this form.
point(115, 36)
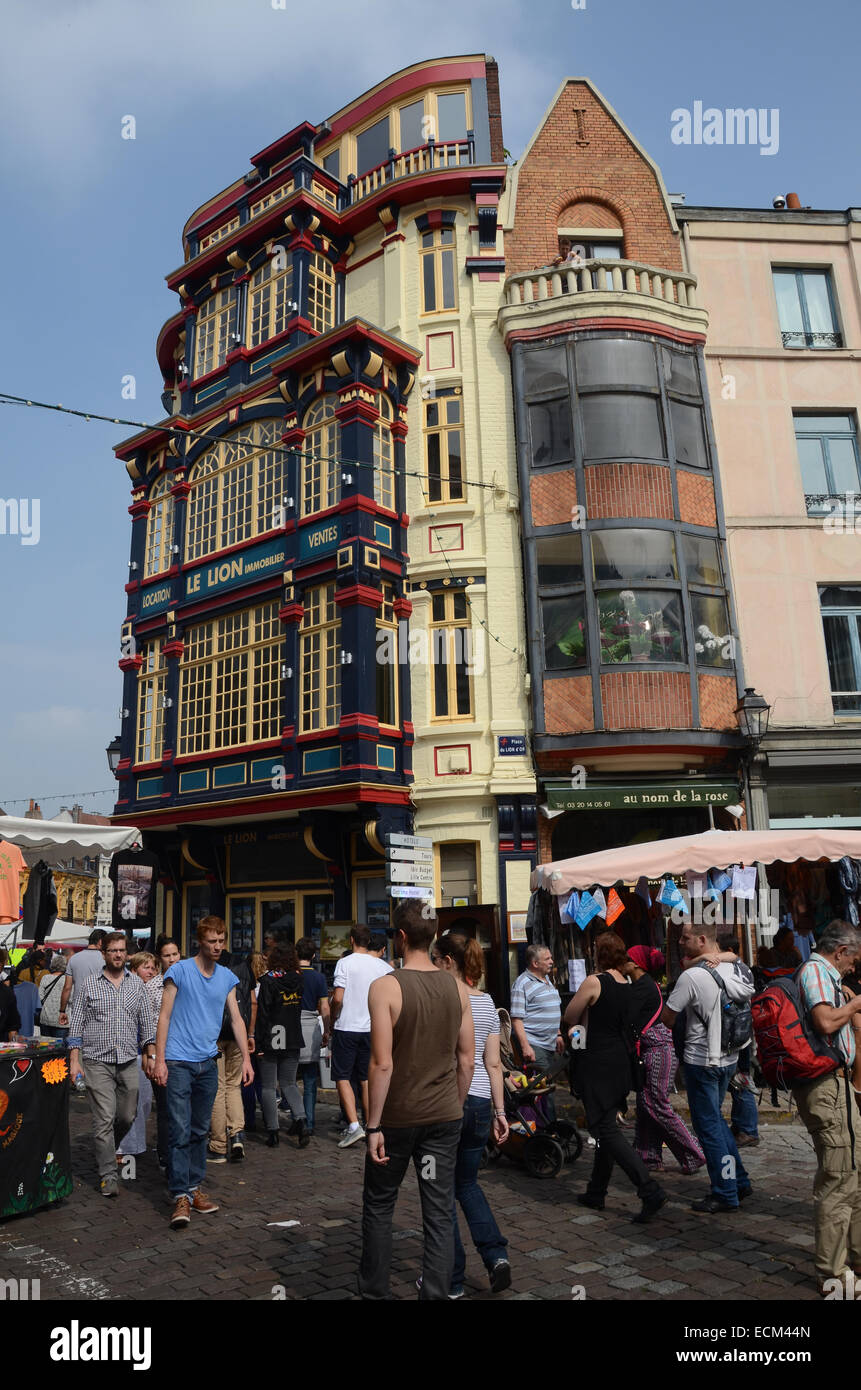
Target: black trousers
point(613, 1147)
point(433, 1150)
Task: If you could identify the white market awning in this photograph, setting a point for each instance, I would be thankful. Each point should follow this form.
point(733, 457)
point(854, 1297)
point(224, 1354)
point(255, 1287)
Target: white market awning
point(713, 849)
point(67, 838)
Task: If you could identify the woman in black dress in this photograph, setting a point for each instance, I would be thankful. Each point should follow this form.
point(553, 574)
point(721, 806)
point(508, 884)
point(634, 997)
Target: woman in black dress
point(606, 1001)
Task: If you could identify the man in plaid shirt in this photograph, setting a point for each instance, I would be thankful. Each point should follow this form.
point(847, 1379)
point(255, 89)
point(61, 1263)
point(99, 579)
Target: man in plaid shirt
point(827, 1105)
point(111, 1015)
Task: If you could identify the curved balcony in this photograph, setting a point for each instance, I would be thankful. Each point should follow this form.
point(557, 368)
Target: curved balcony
point(601, 288)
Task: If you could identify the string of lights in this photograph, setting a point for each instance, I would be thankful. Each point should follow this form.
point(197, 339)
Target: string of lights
point(53, 796)
point(6, 398)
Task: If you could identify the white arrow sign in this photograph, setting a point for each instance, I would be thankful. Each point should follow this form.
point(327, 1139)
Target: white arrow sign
point(409, 841)
point(400, 891)
point(412, 856)
point(409, 873)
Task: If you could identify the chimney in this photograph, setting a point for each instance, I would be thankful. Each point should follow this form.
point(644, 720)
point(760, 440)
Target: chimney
point(494, 112)
point(793, 201)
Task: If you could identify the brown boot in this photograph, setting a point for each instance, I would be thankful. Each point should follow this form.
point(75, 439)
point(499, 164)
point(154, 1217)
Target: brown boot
point(181, 1213)
point(203, 1203)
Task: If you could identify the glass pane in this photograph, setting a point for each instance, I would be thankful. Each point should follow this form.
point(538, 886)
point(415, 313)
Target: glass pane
point(605, 250)
point(788, 303)
point(455, 465)
point(372, 146)
point(278, 915)
point(462, 656)
point(702, 565)
point(386, 690)
point(447, 262)
point(825, 424)
point(434, 471)
point(429, 281)
point(550, 432)
point(411, 125)
point(544, 369)
point(713, 641)
point(811, 456)
point(459, 605)
point(840, 596)
point(440, 673)
point(619, 426)
point(841, 669)
point(452, 116)
point(616, 362)
point(332, 163)
point(560, 560)
point(680, 372)
point(818, 302)
point(632, 556)
point(438, 602)
point(689, 434)
point(564, 622)
point(844, 465)
point(645, 625)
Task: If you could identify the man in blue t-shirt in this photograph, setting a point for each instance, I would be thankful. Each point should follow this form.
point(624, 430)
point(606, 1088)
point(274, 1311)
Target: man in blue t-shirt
point(186, 1054)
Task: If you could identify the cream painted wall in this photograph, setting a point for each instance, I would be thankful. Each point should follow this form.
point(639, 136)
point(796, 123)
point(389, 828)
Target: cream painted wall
point(778, 556)
point(460, 805)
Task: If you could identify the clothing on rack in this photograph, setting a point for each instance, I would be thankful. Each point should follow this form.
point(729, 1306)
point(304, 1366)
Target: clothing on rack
point(40, 903)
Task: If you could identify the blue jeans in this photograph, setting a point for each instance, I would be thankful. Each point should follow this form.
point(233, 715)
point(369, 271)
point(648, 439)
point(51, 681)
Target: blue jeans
point(706, 1088)
point(744, 1114)
point(487, 1238)
point(309, 1073)
point(191, 1089)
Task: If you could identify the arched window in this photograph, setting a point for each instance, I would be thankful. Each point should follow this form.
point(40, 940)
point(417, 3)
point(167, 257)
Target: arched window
point(212, 331)
point(321, 292)
point(159, 531)
point(384, 457)
point(321, 475)
point(152, 687)
point(237, 488)
point(270, 299)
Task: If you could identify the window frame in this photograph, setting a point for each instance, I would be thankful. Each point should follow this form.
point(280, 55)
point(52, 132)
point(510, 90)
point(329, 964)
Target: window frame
point(448, 625)
point(320, 635)
point(320, 477)
point(385, 475)
point(441, 431)
point(837, 333)
point(151, 690)
point(824, 438)
point(321, 292)
point(435, 253)
point(844, 611)
point(267, 294)
point(211, 355)
point(214, 515)
point(215, 661)
point(160, 527)
point(387, 621)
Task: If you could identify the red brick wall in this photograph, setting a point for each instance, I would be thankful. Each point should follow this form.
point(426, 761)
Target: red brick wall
point(494, 112)
point(646, 700)
point(718, 699)
point(586, 214)
point(551, 496)
point(568, 705)
point(628, 489)
point(696, 499)
point(581, 153)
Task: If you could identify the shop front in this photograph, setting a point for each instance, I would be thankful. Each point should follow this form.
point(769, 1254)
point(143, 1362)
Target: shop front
point(601, 815)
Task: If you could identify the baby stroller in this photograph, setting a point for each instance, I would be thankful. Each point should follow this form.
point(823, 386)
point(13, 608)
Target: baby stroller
point(542, 1145)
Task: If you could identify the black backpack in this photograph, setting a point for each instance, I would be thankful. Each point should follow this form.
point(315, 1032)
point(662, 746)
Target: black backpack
point(736, 1021)
point(244, 994)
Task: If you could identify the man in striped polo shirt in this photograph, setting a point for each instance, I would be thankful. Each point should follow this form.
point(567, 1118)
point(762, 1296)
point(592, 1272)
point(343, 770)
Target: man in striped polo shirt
point(536, 1010)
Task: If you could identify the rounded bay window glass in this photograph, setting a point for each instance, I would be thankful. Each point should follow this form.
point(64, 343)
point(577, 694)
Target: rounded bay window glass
point(702, 565)
point(560, 560)
point(617, 425)
point(564, 626)
point(632, 557)
point(689, 434)
point(545, 369)
point(713, 642)
point(237, 489)
point(616, 362)
point(640, 625)
point(550, 432)
point(681, 372)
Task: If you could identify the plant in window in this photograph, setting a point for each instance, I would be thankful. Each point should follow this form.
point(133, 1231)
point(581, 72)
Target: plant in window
point(573, 643)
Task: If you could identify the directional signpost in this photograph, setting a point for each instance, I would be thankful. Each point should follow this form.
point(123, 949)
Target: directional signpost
point(409, 867)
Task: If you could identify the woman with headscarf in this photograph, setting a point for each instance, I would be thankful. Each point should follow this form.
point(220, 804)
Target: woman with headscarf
point(657, 1121)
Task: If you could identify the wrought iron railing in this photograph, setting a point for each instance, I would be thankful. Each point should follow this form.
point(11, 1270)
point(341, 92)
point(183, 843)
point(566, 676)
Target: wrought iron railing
point(794, 339)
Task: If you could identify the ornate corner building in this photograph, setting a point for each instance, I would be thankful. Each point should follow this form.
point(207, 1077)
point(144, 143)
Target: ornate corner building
point(428, 518)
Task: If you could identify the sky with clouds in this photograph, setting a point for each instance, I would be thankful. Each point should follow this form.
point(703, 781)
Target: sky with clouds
point(92, 224)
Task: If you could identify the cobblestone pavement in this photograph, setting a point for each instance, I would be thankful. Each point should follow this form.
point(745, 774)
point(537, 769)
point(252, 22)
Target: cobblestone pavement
point(93, 1248)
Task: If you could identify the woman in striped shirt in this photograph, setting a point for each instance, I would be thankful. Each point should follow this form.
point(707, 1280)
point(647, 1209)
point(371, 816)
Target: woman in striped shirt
point(484, 1107)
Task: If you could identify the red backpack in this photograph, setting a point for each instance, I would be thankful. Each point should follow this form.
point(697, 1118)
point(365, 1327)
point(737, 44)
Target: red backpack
point(789, 1049)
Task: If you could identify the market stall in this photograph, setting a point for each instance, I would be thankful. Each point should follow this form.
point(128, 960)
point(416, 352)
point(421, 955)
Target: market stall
point(35, 1167)
point(813, 874)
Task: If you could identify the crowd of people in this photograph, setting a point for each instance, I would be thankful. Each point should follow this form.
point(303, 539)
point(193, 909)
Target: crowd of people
point(417, 1065)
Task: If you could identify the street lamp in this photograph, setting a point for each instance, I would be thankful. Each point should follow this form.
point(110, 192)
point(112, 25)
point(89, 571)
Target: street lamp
point(114, 752)
point(752, 713)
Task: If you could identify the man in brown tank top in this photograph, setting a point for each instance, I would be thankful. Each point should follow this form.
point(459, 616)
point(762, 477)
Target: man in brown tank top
point(422, 1059)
